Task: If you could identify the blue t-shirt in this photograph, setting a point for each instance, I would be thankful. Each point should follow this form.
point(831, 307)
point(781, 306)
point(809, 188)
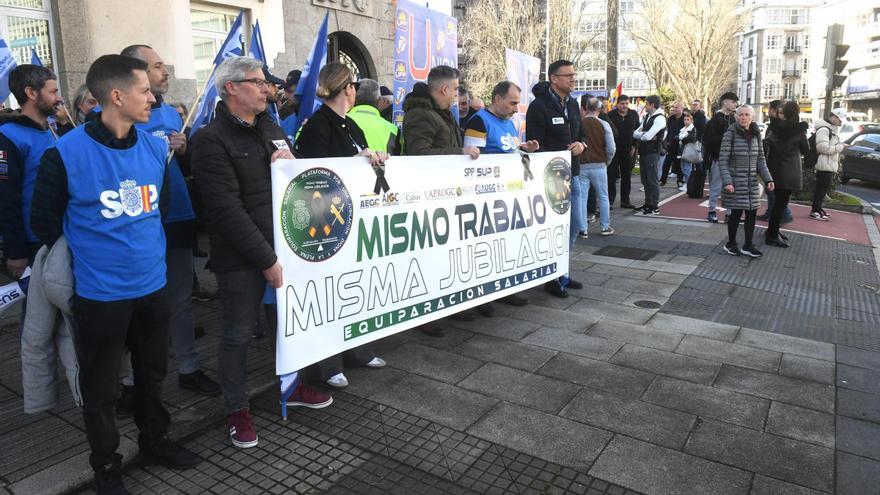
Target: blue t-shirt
point(163, 121)
point(491, 134)
point(31, 144)
point(112, 223)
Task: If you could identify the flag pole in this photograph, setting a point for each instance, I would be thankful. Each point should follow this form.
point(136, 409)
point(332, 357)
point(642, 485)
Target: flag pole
point(189, 116)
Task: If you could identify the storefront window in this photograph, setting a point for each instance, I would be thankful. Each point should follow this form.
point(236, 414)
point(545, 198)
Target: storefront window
point(209, 30)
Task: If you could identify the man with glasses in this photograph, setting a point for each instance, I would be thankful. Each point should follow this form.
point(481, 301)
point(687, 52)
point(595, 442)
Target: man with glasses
point(231, 158)
point(553, 120)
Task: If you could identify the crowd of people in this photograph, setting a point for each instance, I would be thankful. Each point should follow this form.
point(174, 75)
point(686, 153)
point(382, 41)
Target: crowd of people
point(110, 182)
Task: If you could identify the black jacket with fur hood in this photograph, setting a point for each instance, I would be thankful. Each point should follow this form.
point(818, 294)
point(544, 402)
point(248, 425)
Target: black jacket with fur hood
point(786, 144)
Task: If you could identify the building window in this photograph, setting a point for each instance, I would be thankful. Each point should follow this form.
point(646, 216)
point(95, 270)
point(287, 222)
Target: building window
point(348, 50)
point(750, 72)
point(788, 92)
point(590, 84)
point(805, 90)
point(805, 39)
point(806, 65)
point(772, 65)
point(773, 41)
point(771, 91)
point(210, 26)
point(25, 25)
point(788, 16)
point(749, 93)
point(627, 6)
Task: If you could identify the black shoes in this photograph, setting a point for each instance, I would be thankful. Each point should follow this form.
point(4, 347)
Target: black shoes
point(125, 403)
point(750, 250)
point(731, 249)
point(574, 284)
point(108, 481)
point(514, 300)
point(167, 453)
point(555, 289)
point(627, 205)
point(777, 241)
point(487, 310)
point(199, 382)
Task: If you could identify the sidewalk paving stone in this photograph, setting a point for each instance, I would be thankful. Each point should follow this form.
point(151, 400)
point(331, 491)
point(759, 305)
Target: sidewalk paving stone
point(501, 351)
point(802, 424)
point(667, 278)
point(661, 471)
point(546, 436)
point(856, 475)
point(858, 357)
point(859, 405)
point(641, 286)
point(654, 338)
point(636, 298)
point(775, 387)
point(763, 485)
point(573, 343)
point(605, 311)
point(786, 344)
point(861, 379)
point(739, 355)
point(692, 326)
point(710, 402)
point(445, 366)
point(603, 294)
point(667, 364)
point(858, 437)
point(502, 327)
point(599, 375)
point(560, 319)
point(450, 406)
point(519, 387)
point(806, 368)
point(614, 271)
point(786, 459)
point(632, 417)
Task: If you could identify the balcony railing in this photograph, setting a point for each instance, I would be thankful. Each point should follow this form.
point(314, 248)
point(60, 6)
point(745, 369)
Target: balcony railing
point(791, 73)
point(791, 49)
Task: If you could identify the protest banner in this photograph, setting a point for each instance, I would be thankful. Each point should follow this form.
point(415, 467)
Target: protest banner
point(525, 71)
point(423, 39)
point(450, 234)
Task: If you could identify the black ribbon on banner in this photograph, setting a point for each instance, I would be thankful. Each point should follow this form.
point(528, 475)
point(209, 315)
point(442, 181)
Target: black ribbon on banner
point(381, 183)
point(526, 163)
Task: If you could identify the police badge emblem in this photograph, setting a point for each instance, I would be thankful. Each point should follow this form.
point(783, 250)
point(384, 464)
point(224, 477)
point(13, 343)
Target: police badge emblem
point(301, 215)
point(131, 198)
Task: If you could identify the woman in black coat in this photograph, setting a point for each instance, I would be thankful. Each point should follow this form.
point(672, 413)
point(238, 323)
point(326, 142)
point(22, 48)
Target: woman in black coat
point(786, 144)
point(329, 133)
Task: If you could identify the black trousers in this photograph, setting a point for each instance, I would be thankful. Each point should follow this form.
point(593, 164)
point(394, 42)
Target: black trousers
point(671, 163)
point(779, 206)
point(733, 224)
point(104, 330)
point(621, 167)
point(823, 185)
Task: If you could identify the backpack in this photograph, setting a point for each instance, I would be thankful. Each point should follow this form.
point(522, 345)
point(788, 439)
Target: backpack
point(812, 155)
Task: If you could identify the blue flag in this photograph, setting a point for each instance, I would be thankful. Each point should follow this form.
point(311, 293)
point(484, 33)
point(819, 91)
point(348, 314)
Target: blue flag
point(230, 48)
point(7, 63)
point(308, 83)
point(35, 59)
point(256, 51)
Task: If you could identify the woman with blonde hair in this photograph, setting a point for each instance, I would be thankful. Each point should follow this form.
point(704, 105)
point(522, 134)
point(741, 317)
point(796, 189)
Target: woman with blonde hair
point(330, 133)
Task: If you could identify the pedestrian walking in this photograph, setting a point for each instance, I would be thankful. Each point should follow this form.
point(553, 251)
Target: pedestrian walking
point(787, 143)
point(828, 148)
point(740, 161)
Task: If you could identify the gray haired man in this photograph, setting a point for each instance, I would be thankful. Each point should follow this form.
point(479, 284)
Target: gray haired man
point(230, 160)
point(381, 135)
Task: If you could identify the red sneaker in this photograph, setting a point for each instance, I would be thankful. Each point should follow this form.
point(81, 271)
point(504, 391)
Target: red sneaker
point(309, 397)
point(241, 429)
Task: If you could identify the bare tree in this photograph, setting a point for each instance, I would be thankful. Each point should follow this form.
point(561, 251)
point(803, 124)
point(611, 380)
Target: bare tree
point(688, 45)
point(490, 26)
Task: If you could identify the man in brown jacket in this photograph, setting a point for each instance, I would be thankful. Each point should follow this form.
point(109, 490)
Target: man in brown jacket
point(428, 125)
point(594, 160)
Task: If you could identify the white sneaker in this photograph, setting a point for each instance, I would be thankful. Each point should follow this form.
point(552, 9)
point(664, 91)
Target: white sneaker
point(338, 381)
point(376, 362)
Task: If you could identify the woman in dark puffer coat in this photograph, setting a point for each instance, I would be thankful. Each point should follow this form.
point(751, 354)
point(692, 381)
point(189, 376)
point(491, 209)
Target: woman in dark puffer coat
point(786, 143)
point(740, 160)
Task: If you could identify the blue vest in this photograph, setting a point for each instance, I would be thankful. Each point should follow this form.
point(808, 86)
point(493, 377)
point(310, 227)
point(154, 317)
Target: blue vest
point(112, 223)
point(31, 144)
point(501, 135)
point(163, 121)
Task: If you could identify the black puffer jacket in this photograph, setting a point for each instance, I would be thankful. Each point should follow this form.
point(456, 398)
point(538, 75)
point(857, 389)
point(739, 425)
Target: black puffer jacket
point(551, 125)
point(230, 162)
point(712, 134)
point(786, 143)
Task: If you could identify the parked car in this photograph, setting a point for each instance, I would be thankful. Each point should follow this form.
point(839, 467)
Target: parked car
point(861, 159)
point(855, 122)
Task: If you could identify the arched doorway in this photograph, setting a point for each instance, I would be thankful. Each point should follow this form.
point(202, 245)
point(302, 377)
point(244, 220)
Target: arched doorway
point(347, 49)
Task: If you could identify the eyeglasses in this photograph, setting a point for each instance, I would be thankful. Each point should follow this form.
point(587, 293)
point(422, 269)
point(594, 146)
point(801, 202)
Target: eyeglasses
point(571, 76)
point(258, 82)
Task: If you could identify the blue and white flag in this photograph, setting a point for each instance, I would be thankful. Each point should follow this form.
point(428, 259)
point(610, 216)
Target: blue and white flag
point(231, 47)
point(258, 52)
point(35, 59)
point(308, 83)
point(7, 63)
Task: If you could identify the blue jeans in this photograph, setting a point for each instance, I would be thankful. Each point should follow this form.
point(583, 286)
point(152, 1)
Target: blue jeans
point(715, 184)
point(771, 200)
point(597, 176)
point(686, 168)
point(578, 208)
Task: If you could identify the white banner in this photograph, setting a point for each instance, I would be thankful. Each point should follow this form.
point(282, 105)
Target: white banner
point(451, 233)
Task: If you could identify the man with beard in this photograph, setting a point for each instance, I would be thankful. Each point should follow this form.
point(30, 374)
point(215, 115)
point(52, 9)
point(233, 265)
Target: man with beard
point(23, 139)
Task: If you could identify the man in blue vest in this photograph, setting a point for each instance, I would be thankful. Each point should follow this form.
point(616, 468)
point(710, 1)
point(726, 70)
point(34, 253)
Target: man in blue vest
point(102, 186)
point(23, 139)
point(180, 227)
point(491, 130)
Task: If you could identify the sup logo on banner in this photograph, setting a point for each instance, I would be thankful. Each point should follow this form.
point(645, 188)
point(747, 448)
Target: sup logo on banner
point(557, 185)
point(316, 214)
